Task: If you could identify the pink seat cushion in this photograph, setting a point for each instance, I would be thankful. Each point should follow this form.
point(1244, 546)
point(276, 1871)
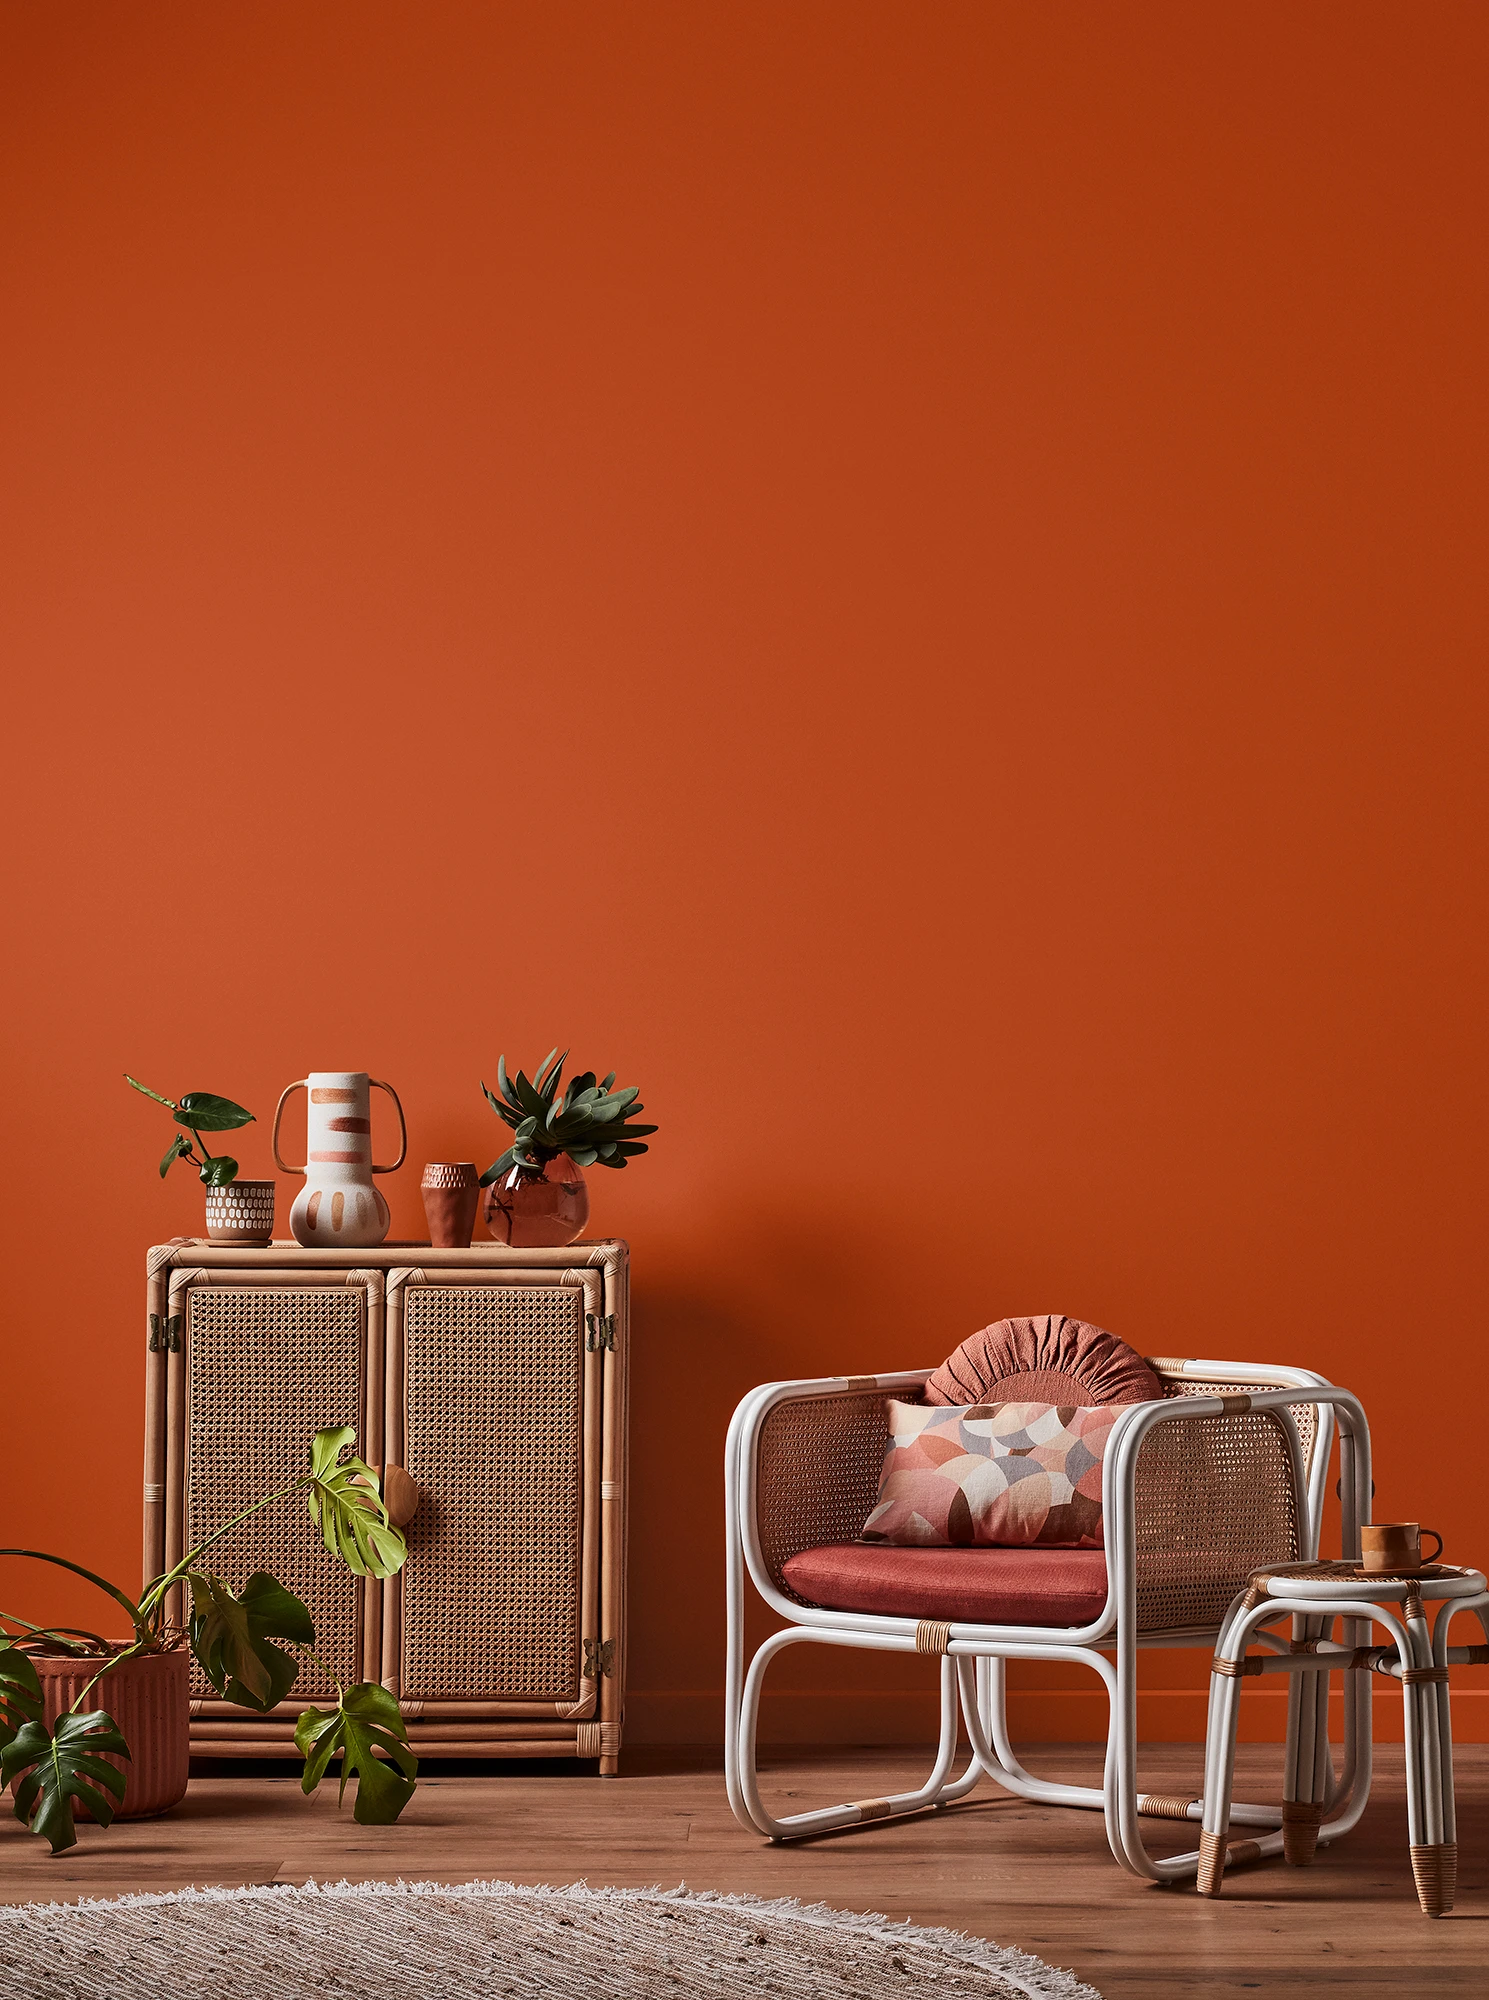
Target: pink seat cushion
point(1050, 1359)
point(954, 1586)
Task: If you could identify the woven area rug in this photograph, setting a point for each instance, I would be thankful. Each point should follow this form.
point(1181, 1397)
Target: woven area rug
point(428, 1941)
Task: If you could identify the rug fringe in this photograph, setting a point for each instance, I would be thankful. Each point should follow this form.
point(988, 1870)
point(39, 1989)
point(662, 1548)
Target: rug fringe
point(1032, 1976)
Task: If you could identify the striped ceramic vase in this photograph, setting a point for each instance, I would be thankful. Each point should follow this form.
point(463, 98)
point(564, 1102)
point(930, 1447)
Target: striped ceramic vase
point(339, 1207)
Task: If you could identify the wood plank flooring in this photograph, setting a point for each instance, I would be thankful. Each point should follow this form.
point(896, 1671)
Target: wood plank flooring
point(1030, 1876)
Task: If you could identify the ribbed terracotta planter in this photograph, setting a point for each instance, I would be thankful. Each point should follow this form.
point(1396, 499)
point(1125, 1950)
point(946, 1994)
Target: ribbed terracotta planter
point(147, 1697)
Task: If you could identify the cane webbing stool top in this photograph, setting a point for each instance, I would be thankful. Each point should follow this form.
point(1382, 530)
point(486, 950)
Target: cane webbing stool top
point(1344, 1578)
point(1316, 1593)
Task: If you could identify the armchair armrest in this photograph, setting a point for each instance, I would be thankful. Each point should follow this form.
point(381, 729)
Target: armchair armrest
point(807, 1457)
point(1200, 1490)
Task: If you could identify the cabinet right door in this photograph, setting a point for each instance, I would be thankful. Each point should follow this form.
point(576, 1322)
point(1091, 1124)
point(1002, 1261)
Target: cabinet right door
point(494, 1409)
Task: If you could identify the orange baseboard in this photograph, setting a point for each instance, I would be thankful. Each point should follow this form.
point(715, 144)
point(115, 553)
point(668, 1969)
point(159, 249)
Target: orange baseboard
point(1165, 1715)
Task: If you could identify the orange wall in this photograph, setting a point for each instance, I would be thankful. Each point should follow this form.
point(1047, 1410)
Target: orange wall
point(911, 577)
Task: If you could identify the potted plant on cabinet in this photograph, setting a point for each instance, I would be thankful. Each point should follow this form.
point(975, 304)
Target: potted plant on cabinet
point(237, 1211)
point(536, 1193)
point(60, 1756)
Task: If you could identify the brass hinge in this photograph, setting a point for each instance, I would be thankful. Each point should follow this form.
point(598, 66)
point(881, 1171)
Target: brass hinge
point(599, 1331)
point(599, 1659)
point(165, 1334)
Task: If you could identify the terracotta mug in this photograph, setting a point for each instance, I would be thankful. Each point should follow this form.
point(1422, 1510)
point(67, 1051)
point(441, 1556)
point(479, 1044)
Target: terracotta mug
point(452, 1194)
point(1395, 1546)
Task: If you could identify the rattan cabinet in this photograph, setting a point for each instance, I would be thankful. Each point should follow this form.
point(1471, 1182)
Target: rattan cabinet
point(497, 1379)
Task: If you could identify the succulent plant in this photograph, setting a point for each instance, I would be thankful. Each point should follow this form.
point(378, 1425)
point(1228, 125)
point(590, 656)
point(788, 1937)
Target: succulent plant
point(591, 1122)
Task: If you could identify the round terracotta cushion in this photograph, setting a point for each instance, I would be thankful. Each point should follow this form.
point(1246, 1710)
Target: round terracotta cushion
point(1051, 1359)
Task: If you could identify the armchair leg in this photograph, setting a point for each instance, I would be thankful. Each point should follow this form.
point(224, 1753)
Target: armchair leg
point(857, 1812)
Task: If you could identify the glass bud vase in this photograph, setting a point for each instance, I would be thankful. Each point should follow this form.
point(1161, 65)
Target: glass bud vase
point(537, 1208)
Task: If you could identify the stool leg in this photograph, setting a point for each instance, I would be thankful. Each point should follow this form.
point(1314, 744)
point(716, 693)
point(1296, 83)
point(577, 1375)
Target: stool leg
point(1434, 1842)
point(1220, 1764)
point(1305, 1779)
point(1434, 1866)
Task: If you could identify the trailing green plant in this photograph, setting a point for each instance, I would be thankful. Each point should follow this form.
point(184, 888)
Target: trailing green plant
point(591, 1122)
point(235, 1637)
point(199, 1111)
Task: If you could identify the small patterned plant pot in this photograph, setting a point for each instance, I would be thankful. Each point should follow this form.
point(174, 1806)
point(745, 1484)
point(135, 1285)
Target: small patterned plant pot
point(241, 1212)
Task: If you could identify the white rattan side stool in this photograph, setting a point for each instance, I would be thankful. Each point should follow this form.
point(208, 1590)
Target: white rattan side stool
point(1316, 1594)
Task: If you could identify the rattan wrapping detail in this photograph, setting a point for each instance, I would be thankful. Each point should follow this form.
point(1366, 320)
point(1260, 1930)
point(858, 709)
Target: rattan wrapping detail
point(818, 1474)
point(1214, 1501)
point(268, 1366)
point(1301, 1820)
point(1162, 1805)
point(493, 1409)
point(1436, 1872)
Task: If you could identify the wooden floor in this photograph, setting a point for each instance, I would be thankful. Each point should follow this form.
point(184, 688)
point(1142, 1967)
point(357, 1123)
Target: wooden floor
point(1024, 1875)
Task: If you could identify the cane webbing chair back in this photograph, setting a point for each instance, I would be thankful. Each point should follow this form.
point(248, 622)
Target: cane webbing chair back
point(269, 1365)
point(494, 1438)
point(818, 1474)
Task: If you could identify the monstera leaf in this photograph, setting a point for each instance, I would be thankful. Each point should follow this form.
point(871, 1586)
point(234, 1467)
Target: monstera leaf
point(20, 1693)
point(347, 1508)
point(365, 1719)
point(232, 1637)
point(66, 1765)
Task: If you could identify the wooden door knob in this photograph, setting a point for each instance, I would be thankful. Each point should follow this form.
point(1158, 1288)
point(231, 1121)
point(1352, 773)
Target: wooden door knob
point(400, 1495)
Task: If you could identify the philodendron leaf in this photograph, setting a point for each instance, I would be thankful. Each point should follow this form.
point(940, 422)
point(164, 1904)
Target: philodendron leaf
point(205, 1113)
point(20, 1692)
point(219, 1171)
point(366, 1719)
point(61, 1767)
point(231, 1637)
point(178, 1149)
point(347, 1507)
point(168, 1102)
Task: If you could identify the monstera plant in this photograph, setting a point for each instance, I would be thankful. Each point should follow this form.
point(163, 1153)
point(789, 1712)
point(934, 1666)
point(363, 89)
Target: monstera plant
point(199, 1111)
point(249, 1643)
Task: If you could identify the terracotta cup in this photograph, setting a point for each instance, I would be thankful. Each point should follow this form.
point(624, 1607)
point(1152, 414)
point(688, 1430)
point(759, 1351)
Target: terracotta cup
point(452, 1193)
point(1395, 1546)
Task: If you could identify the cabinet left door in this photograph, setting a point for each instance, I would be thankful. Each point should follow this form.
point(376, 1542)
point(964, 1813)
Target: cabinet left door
point(254, 1364)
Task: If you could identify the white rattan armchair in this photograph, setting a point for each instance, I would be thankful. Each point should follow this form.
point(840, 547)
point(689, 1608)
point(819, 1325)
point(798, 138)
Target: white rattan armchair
point(1223, 1475)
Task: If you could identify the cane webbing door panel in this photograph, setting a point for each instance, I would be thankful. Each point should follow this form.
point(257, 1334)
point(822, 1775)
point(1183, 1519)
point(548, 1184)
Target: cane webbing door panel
point(497, 1379)
point(493, 1411)
point(266, 1366)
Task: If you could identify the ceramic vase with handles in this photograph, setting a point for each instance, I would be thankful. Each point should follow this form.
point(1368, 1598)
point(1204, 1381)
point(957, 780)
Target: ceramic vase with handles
point(339, 1208)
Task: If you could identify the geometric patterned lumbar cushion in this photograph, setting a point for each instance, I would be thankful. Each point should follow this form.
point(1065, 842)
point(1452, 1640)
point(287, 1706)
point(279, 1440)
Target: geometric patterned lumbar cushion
point(992, 1475)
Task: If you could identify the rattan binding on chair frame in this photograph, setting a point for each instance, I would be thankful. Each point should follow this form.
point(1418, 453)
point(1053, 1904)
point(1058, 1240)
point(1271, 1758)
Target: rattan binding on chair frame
point(1435, 1870)
point(1301, 1820)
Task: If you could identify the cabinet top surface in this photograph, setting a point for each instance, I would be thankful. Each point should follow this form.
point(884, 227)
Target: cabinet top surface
point(610, 1250)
